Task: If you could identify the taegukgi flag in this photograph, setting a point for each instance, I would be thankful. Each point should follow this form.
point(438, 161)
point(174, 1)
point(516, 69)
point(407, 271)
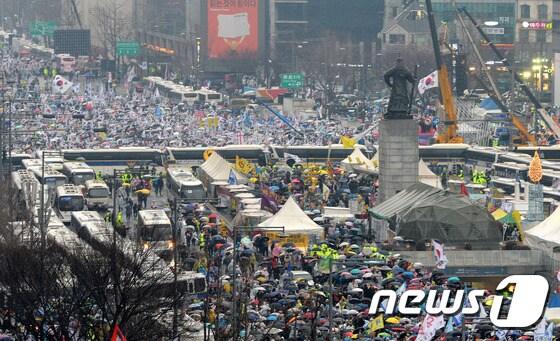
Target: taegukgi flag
point(441, 259)
point(428, 82)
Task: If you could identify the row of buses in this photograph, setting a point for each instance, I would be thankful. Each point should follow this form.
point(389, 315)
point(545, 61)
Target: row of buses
point(178, 93)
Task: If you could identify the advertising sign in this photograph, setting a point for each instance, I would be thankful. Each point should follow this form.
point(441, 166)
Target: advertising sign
point(233, 28)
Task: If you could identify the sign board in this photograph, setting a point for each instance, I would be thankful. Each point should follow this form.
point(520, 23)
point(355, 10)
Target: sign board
point(128, 48)
point(301, 241)
point(291, 80)
point(493, 30)
point(537, 25)
point(42, 28)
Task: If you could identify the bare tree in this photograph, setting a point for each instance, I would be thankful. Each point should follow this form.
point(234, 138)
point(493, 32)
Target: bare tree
point(65, 290)
point(112, 24)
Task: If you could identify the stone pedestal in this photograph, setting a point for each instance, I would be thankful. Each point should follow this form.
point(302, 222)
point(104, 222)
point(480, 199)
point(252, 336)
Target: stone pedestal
point(398, 156)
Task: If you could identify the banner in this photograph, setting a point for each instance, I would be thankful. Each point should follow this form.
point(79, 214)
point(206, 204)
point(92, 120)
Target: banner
point(429, 327)
point(243, 165)
point(233, 28)
point(269, 202)
point(301, 241)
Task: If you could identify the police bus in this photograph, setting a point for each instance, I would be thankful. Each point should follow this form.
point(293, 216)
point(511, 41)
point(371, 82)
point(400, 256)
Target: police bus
point(154, 231)
point(97, 195)
point(151, 268)
point(183, 184)
point(90, 226)
point(26, 185)
point(68, 199)
point(49, 177)
point(78, 172)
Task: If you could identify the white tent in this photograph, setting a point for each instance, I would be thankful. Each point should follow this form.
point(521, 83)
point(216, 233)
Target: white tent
point(545, 235)
point(338, 214)
point(358, 162)
point(294, 221)
point(216, 168)
point(427, 177)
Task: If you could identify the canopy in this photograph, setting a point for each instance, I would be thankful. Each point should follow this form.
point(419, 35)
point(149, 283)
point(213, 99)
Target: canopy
point(452, 219)
point(402, 201)
point(426, 176)
point(294, 220)
point(545, 235)
point(337, 214)
point(216, 168)
point(358, 161)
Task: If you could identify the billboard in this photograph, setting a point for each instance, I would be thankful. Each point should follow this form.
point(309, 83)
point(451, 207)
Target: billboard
point(74, 42)
point(233, 29)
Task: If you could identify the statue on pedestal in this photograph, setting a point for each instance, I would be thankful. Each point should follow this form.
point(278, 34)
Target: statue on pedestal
point(399, 103)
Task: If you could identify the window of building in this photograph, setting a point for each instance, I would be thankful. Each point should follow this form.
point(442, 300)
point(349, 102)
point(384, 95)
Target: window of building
point(523, 36)
point(394, 11)
point(541, 36)
point(290, 12)
point(525, 11)
point(542, 11)
point(397, 39)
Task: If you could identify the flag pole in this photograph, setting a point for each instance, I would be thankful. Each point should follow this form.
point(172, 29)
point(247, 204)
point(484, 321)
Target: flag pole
point(463, 336)
point(414, 85)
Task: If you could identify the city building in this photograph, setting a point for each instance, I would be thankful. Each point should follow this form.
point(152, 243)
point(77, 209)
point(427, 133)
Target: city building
point(408, 29)
point(534, 45)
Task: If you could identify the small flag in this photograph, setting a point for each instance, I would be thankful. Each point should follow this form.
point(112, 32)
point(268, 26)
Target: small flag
point(118, 334)
point(61, 84)
point(376, 323)
point(428, 82)
point(449, 326)
point(347, 142)
point(401, 289)
point(288, 156)
point(441, 259)
point(232, 180)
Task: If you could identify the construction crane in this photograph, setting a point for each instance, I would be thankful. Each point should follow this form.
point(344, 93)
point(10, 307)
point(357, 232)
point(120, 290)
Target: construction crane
point(539, 109)
point(76, 13)
point(525, 137)
point(449, 135)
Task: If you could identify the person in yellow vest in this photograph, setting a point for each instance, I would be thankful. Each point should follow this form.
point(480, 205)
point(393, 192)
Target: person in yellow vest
point(98, 175)
point(54, 72)
point(120, 223)
point(202, 241)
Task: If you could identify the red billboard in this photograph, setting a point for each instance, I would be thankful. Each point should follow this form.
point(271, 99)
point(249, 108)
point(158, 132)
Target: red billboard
point(233, 29)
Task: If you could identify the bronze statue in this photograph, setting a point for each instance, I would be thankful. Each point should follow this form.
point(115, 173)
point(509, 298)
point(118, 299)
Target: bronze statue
point(399, 102)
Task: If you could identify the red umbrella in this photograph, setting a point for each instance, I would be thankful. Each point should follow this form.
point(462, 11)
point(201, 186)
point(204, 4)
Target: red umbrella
point(212, 216)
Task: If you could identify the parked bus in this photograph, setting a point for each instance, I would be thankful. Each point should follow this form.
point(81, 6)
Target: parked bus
point(65, 63)
point(25, 184)
point(31, 163)
point(154, 231)
point(92, 228)
point(98, 196)
point(183, 184)
point(209, 96)
point(78, 172)
point(52, 178)
point(53, 160)
point(68, 199)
